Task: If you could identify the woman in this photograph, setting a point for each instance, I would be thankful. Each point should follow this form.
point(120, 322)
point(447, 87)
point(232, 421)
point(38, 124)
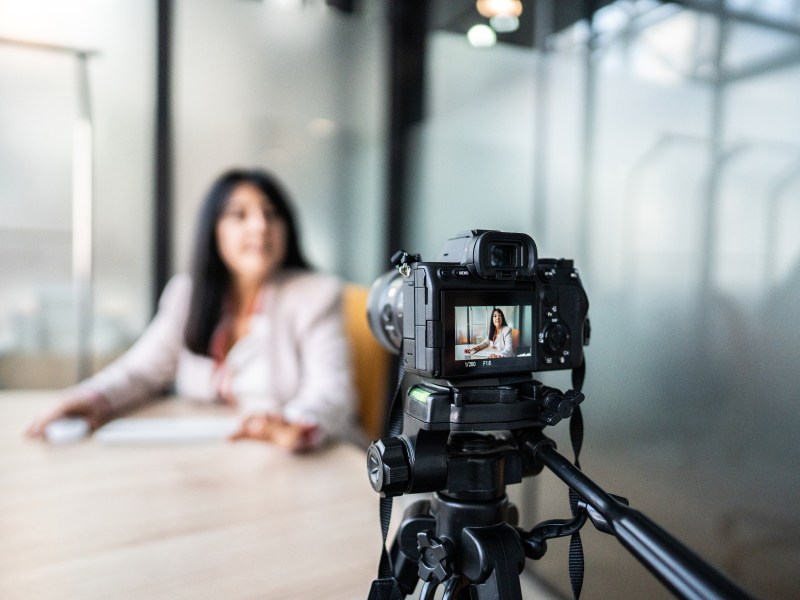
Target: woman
point(252, 327)
point(499, 338)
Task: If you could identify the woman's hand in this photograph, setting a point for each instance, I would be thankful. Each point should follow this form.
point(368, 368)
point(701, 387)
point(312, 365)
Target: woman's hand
point(272, 428)
point(82, 404)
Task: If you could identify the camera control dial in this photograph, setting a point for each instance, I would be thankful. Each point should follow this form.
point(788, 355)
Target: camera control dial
point(555, 337)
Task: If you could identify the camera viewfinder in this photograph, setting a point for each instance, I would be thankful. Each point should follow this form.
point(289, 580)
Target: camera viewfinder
point(503, 256)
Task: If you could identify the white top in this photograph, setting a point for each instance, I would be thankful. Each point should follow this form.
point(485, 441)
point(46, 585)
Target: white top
point(294, 360)
point(502, 344)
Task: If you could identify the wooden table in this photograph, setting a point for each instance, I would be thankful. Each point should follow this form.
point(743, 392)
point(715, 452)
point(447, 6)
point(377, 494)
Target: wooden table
point(195, 520)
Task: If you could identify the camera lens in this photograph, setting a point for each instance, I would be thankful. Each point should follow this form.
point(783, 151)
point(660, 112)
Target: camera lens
point(385, 310)
point(502, 255)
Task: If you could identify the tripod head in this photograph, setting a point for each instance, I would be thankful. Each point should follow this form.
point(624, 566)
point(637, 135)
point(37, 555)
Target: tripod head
point(449, 429)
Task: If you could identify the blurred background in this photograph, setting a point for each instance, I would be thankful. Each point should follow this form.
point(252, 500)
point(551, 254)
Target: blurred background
point(656, 143)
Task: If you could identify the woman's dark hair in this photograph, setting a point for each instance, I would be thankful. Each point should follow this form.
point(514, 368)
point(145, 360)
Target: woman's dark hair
point(210, 276)
point(492, 331)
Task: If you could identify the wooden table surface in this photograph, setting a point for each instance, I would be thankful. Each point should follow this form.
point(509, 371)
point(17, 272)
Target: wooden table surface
point(193, 520)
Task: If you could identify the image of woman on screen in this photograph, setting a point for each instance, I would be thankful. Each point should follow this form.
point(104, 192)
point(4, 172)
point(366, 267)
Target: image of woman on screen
point(252, 327)
point(499, 341)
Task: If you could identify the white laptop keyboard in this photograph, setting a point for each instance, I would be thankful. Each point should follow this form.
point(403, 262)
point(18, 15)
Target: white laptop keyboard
point(167, 430)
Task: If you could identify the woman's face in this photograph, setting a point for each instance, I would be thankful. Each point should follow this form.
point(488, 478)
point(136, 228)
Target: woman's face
point(497, 319)
point(251, 236)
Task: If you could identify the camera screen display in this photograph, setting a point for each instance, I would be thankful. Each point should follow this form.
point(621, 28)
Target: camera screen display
point(488, 332)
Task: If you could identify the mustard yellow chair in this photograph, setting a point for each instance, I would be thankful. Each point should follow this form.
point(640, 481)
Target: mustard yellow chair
point(371, 362)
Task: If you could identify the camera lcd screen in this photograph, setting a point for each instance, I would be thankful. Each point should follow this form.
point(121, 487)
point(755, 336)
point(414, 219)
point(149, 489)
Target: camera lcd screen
point(488, 332)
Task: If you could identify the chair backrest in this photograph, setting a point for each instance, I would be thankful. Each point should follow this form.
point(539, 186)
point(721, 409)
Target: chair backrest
point(371, 361)
point(514, 339)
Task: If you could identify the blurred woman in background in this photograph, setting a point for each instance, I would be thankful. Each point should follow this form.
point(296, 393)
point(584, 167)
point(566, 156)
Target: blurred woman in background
point(252, 326)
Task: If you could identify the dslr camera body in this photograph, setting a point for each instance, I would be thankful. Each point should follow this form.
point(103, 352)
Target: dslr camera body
point(474, 325)
point(451, 304)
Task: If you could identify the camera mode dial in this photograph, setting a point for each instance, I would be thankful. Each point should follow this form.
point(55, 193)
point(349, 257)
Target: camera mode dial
point(388, 468)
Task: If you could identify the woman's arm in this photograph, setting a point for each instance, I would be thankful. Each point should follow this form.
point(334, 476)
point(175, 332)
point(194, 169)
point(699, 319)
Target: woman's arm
point(149, 366)
point(143, 371)
point(478, 347)
point(83, 404)
point(274, 429)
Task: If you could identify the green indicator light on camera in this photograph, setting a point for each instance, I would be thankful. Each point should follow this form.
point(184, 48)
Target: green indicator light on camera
point(419, 395)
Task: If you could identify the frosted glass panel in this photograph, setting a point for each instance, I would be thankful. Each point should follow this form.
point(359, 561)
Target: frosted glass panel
point(37, 312)
point(39, 103)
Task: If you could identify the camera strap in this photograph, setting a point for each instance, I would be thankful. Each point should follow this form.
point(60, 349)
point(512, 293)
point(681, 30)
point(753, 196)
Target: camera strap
point(385, 587)
point(576, 437)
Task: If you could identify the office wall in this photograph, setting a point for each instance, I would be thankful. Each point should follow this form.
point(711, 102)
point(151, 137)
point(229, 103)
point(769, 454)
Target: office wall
point(684, 241)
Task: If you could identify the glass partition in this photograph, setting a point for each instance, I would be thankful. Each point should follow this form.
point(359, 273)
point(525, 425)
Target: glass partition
point(74, 274)
point(37, 312)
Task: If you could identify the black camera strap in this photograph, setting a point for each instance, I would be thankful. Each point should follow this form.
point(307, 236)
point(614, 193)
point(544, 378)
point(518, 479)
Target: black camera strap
point(576, 437)
point(385, 587)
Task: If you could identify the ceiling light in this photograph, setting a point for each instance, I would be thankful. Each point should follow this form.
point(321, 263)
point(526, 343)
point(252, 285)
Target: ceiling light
point(504, 23)
point(493, 8)
point(481, 36)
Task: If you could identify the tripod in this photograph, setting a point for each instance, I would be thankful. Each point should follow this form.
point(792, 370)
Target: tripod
point(467, 539)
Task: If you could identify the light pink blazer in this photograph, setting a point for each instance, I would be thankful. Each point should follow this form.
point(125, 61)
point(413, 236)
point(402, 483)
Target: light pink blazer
point(295, 359)
point(503, 345)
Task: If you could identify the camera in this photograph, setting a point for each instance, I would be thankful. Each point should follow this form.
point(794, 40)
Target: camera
point(487, 307)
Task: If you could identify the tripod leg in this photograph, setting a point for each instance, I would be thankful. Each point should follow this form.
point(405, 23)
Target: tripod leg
point(428, 590)
point(493, 557)
point(404, 552)
point(453, 586)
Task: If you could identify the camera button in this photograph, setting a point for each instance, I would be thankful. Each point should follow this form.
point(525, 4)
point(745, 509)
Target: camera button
point(444, 273)
point(547, 273)
point(461, 272)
